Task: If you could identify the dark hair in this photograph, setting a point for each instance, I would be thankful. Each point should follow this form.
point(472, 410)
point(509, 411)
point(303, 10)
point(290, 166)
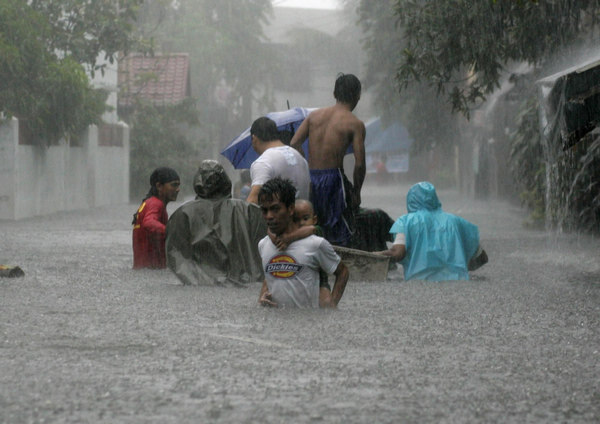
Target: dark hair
point(159, 175)
point(265, 129)
point(347, 88)
point(280, 188)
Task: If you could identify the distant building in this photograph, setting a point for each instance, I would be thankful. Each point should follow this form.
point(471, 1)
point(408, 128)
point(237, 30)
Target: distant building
point(161, 80)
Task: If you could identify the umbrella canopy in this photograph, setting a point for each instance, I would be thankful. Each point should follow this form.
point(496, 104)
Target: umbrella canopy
point(240, 152)
point(390, 139)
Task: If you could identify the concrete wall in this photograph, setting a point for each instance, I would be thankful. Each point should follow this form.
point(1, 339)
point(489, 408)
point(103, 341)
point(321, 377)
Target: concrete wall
point(9, 139)
point(39, 180)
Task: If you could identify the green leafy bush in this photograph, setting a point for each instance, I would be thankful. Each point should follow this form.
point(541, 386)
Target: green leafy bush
point(161, 136)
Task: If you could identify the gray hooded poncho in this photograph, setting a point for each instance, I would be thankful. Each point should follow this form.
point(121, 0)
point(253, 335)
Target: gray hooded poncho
point(214, 239)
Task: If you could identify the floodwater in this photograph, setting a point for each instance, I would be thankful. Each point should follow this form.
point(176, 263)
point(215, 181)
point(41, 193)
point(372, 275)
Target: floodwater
point(83, 338)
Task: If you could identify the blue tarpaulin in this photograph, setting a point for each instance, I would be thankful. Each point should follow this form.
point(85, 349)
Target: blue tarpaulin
point(392, 138)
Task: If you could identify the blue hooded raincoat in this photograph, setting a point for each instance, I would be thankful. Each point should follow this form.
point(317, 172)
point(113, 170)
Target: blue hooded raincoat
point(438, 244)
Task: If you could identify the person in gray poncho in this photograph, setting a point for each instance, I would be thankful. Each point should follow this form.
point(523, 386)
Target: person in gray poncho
point(214, 239)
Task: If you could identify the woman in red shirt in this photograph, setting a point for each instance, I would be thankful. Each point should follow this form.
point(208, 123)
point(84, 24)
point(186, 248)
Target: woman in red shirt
point(150, 220)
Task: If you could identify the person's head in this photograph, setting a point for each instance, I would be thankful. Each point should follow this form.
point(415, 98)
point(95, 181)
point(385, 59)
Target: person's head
point(304, 213)
point(263, 130)
point(347, 89)
point(164, 184)
point(422, 196)
point(211, 181)
point(276, 199)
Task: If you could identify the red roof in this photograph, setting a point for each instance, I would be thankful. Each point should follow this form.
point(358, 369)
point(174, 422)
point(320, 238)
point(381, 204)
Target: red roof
point(160, 79)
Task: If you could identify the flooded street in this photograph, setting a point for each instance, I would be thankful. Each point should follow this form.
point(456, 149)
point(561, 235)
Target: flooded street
point(83, 338)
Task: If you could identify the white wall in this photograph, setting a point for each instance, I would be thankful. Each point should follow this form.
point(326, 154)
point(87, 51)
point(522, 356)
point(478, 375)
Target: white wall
point(109, 82)
point(111, 176)
point(9, 139)
point(40, 180)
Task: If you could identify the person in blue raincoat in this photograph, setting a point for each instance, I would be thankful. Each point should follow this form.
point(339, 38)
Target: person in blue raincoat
point(432, 244)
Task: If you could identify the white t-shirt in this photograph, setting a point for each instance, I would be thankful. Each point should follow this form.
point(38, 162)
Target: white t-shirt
point(293, 275)
point(284, 162)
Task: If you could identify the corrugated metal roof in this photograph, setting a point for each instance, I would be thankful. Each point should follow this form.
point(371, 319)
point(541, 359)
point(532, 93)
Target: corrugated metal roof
point(160, 79)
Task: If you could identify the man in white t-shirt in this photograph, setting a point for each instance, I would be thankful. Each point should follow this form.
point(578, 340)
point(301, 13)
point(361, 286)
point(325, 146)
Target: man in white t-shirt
point(276, 160)
point(292, 275)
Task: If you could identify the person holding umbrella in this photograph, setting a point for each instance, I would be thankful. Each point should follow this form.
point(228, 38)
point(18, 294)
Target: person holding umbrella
point(330, 131)
point(275, 160)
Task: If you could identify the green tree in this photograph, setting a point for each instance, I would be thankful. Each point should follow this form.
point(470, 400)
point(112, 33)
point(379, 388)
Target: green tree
point(44, 46)
point(526, 162)
point(427, 117)
point(160, 136)
point(87, 30)
point(462, 47)
point(226, 45)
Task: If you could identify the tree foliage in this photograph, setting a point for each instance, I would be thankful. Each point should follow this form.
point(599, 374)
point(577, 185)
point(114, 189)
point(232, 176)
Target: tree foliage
point(428, 119)
point(461, 47)
point(526, 163)
point(160, 136)
point(225, 42)
point(87, 30)
point(227, 60)
point(43, 47)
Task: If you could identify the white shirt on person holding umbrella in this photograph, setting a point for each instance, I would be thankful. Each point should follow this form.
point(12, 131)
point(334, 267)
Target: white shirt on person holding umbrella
point(275, 160)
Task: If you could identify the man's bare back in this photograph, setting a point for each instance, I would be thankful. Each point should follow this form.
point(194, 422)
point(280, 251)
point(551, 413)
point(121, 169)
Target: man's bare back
point(332, 130)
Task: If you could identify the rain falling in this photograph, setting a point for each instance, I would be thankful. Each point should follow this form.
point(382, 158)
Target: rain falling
point(497, 104)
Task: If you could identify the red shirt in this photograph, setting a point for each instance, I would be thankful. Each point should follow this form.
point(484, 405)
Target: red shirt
point(149, 235)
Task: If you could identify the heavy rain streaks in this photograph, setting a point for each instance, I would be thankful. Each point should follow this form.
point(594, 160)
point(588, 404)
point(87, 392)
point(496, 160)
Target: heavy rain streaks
point(471, 87)
point(85, 338)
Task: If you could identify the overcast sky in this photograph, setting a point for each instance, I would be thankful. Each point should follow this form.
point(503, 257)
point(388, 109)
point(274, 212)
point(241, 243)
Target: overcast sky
point(309, 4)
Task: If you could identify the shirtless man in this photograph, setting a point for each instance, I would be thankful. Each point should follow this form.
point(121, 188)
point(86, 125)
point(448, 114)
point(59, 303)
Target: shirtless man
point(331, 131)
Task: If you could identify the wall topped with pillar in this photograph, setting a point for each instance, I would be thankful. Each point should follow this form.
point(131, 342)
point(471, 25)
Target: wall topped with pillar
point(80, 174)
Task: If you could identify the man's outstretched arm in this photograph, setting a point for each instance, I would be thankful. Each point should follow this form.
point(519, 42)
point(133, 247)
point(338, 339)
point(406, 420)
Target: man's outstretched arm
point(253, 195)
point(397, 252)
